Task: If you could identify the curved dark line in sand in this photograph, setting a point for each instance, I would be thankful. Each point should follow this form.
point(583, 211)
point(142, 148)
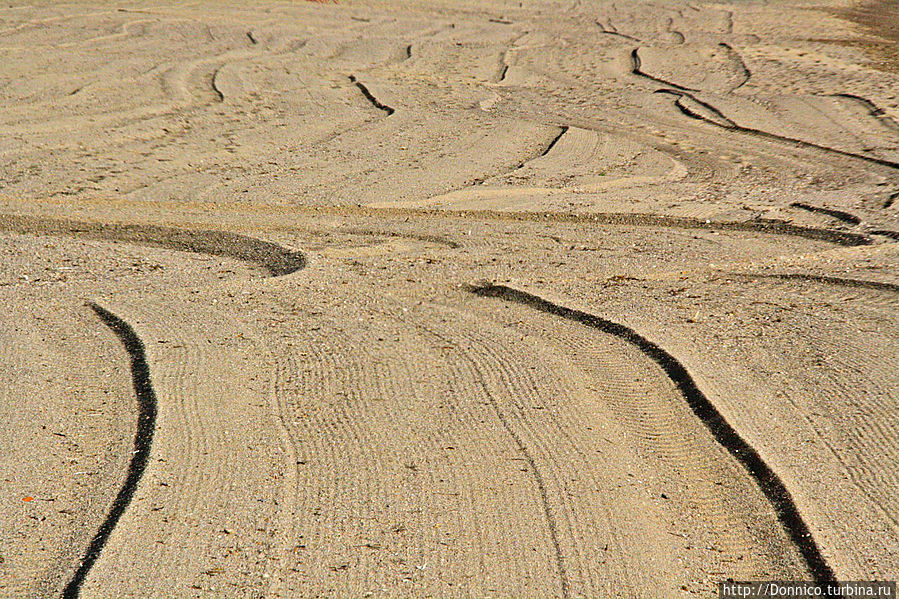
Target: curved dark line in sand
point(143, 440)
point(767, 226)
point(280, 261)
point(727, 123)
point(891, 200)
point(873, 110)
point(538, 154)
point(612, 31)
point(841, 281)
point(276, 259)
point(636, 63)
point(741, 64)
point(370, 97)
point(502, 73)
point(554, 141)
point(215, 86)
point(731, 125)
point(840, 215)
point(768, 482)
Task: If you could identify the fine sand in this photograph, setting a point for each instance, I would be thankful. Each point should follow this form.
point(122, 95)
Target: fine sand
point(447, 299)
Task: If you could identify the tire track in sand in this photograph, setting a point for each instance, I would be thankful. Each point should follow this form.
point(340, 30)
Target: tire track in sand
point(769, 483)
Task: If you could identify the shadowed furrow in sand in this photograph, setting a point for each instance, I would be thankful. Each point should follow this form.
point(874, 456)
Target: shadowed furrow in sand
point(370, 97)
point(761, 225)
point(543, 151)
point(741, 65)
point(636, 65)
point(730, 124)
point(772, 487)
point(840, 215)
point(276, 259)
point(873, 110)
point(610, 30)
point(280, 261)
point(841, 281)
point(143, 440)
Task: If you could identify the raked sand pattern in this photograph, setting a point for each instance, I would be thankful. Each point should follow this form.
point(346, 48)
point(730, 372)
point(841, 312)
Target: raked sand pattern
point(447, 299)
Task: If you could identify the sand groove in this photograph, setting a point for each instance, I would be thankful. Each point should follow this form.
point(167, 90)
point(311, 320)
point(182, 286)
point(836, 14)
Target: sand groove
point(143, 440)
point(840, 215)
point(767, 480)
point(636, 65)
point(535, 470)
point(727, 123)
point(274, 258)
point(841, 281)
point(370, 97)
point(873, 110)
point(760, 225)
point(722, 179)
point(741, 65)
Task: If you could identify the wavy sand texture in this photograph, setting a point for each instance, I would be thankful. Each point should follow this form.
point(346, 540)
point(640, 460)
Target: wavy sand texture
point(242, 356)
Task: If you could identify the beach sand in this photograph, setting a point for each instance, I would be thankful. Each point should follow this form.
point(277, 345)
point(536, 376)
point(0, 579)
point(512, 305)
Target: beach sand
point(505, 299)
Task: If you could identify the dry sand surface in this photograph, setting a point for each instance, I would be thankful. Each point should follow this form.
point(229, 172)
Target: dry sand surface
point(447, 299)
